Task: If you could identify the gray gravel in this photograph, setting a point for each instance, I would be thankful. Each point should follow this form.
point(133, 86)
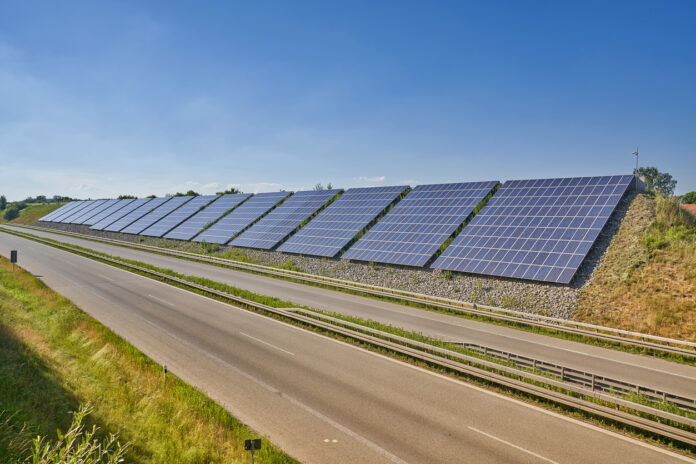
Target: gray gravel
point(534, 297)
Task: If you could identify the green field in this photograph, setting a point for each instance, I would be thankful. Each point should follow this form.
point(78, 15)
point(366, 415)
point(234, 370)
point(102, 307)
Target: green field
point(31, 213)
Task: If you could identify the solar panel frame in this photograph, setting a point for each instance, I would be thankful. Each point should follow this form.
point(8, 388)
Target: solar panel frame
point(136, 214)
point(89, 215)
point(116, 215)
point(273, 228)
point(82, 204)
point(62, 210)
point(155, 215)
point(179, 215)
point(198, 221)
point(71, 219)
point(536, 229)
point(241, 218)
point(413, 231)
point(116, 206)
point(332, 229)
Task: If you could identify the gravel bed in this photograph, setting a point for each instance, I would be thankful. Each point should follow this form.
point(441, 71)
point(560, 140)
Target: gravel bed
point(534, 297)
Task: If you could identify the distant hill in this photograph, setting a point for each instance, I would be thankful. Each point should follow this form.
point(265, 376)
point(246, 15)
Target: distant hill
point(31, 213)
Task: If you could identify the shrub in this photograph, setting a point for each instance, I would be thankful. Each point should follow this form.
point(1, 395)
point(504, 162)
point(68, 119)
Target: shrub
point(11, 213)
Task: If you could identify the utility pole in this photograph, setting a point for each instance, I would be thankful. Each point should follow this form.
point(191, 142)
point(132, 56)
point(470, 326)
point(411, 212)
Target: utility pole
point(635, 153)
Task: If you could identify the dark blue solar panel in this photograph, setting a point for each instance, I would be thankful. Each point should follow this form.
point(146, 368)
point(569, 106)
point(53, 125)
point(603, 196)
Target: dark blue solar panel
point(87, 217)
point(241, 218)
point(136, 214)
point(121, 213)
point(411, 233)
point(538, 229)
point(329, 232)
point(116, 206)
point(179, 215)
point(81, 205)
point(283, 220)
point(62, 210)
point(155, 215)
point(192, 226)
point(83, 213)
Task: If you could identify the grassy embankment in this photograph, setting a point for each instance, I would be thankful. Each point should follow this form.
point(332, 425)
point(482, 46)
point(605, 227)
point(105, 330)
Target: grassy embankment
point(647, 280)
point(54, 357)
point(32, 213)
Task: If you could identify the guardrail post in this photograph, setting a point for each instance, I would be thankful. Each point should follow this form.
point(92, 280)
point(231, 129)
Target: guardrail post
point(562, 373)
point(593, 382)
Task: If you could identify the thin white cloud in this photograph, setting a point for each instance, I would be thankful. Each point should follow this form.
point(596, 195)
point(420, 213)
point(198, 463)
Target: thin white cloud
point(410, 182)
point(370, 179)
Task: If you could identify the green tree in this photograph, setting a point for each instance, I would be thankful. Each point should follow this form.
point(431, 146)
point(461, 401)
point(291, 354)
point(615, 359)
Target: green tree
point(11, 213)
point(688, 199)
point(657, 181)
point(190, 193)
point(3, 202)
point(319, 187)
point(126, 197)
point(230, 190)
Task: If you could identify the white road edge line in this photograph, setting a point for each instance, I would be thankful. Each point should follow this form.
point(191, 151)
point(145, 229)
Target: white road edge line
point(160, 300)
point(493, 437)
point(266, 343)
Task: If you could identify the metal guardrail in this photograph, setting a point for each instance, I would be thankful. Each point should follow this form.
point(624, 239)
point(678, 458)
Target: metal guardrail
point(481, 369)
point(637, 339)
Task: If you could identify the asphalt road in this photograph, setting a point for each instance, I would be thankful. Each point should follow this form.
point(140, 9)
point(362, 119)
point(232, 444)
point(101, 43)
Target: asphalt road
point(319, 399)
point(651, 372)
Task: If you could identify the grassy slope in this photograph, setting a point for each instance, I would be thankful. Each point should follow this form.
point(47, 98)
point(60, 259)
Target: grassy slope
point(31, 214)
point(647, 280)
point(54, 357)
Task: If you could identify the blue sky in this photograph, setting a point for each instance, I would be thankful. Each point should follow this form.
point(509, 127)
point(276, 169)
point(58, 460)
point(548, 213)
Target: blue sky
point(103, 98)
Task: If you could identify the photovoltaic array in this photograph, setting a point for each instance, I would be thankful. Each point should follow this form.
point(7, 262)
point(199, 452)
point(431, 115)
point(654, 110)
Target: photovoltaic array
point(333, 228)
point(85, 218)
point(411, 233)
point(80, 205)
point(115, 206)
point(241, 218)
point(80, 215)
point(283, 220)
point(179, 215)
point(62, 210)
point(136, 214)
point(536, 229)
point(155, 215)
point(196, 223)
point(116, 215)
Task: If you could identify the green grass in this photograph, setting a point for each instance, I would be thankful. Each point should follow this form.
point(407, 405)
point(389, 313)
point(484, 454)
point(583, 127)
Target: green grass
point(32, 213)
point(53, 357)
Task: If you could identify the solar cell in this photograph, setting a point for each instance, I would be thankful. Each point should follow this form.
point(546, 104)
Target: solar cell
point(241, 218)
point(179, 215)
point(333, 228)
point(136, 214)
point(89, 215)
point(81, 204)
point(117, 205)
point(155, 215)
point(116, 215)
point(411, 233)
point(193, 225)
point(70, 219)
point(539, 229)
point(282, 221)
point(62, 210)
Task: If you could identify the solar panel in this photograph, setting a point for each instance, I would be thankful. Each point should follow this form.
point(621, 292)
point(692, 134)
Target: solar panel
point(333, 228)
point(283, 220)
point(241, 218)
point(122, 212)
point(179, 215)
point(117, 205)
point(89, 215)
point(73, 217)
point(155, 215)
point(62, 210)
point(538, 229)
point(193, 225)
point(411, 233)
point(136, 214)
point(82, 204)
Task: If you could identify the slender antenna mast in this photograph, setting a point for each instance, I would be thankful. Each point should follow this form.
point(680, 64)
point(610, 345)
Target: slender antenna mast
point(635, 153)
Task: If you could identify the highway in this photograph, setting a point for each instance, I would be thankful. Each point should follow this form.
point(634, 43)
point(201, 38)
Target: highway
point(656, 373)
point(319, 399)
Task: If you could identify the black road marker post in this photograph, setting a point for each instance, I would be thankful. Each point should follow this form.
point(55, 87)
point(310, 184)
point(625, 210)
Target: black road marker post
point(13, 258)
point(252, 445)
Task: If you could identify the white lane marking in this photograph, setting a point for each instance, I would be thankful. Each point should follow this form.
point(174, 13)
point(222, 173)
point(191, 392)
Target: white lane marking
point(160, 300)
point(266, 343)
point(493, 437)
point(105, 277)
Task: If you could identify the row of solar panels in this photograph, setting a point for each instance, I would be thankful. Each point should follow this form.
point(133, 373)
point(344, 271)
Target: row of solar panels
point(529, 229)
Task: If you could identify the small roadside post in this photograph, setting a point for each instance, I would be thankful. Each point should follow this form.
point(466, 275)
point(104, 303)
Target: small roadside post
point(13, 258)
point(252, 445)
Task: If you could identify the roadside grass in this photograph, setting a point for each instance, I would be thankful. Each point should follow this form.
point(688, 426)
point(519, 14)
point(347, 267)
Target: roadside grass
point(32, 213)
point(54, 357)
point(647, 280)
